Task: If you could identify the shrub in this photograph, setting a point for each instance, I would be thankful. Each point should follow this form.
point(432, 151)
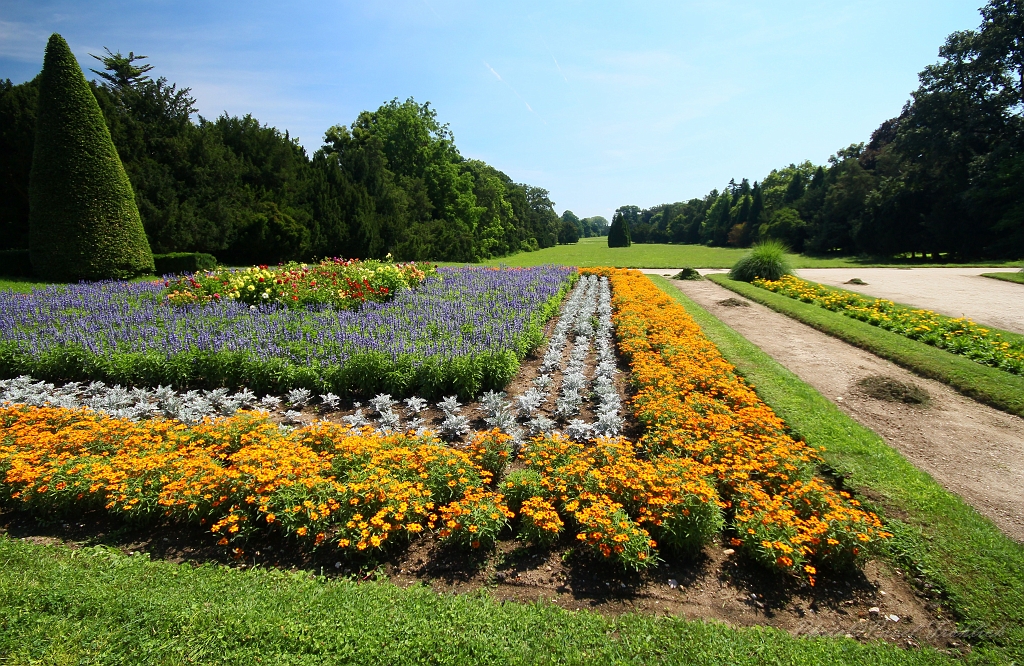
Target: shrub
point(15, 263)
point(83, 222)
point(766, 260)
point(183, 262)
point(688, 273)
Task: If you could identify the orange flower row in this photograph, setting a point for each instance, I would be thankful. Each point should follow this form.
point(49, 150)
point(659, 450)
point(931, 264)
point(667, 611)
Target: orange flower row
point(695, 406)
point(239, 475)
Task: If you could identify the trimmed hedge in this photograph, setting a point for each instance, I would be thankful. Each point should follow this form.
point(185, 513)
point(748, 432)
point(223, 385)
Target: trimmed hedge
point(15, 263)
point(183, 262)
point(83, 221)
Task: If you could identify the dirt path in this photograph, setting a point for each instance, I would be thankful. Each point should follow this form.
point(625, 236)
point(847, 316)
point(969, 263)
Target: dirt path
point(955, 292)
point(969, 448)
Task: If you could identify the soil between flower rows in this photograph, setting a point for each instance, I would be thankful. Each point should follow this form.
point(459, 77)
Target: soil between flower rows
point(878, 603)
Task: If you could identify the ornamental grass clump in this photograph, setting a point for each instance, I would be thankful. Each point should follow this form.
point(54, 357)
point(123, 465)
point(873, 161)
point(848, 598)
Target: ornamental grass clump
point(766, 260)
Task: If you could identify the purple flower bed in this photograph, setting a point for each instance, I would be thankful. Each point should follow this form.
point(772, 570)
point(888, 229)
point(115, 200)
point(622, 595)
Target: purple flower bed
point(463, 332)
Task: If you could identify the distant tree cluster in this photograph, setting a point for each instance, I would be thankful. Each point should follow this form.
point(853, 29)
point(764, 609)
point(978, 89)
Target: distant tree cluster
point(944, 178)
point(572, 228)
point(392, 181)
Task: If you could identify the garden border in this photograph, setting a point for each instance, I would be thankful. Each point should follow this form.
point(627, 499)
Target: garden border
point(988, 385)
point(938, 535)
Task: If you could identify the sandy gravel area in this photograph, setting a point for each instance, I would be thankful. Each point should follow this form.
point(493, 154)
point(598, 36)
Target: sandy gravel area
point(969, 448)
point(955, 292)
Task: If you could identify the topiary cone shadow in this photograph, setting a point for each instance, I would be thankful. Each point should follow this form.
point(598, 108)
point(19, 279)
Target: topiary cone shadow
point(83, 221)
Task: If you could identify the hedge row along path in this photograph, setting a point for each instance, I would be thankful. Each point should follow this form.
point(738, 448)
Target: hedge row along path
point(971, 449)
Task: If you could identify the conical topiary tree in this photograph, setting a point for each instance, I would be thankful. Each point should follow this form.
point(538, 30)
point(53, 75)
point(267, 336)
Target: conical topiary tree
point(618, 233)
point(83, 222)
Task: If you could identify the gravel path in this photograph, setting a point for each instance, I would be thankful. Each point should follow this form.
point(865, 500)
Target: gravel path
point(969, 448)
point(955, 292)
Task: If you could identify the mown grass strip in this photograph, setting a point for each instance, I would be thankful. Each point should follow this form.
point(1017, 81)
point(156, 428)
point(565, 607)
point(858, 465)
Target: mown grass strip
point(991, 386)
point(595, 252)
point(979, 568)
point(1017, 277)
point(97, 605)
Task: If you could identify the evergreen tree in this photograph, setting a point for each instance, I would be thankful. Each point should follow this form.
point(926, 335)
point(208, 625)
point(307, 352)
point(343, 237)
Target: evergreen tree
point(754, 217)
point(618, 233)
point(83, 222)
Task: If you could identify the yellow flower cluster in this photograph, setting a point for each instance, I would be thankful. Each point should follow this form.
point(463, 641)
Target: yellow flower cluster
point(666, 497)
point(695, 406)
point(954, 334)
point(240, 475)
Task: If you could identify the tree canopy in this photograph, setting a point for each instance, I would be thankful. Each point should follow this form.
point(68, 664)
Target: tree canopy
point(942, 179)
point(392, 181)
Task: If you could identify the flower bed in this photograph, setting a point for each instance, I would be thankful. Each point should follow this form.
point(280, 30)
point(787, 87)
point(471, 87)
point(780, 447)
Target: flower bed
point(341, 283)
point(462, 332)
point(242, 475)
point(713, 456)
point(694, 406)
point(956, 335)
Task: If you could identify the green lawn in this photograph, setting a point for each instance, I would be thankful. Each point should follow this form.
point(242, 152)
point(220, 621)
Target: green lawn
point(595, 252)
point(938, 536)
point(1017, 277)
point(991, 386)
point(26, 285)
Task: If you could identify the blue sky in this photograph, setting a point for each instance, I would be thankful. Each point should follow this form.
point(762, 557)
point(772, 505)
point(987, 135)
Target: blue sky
point(602, 103)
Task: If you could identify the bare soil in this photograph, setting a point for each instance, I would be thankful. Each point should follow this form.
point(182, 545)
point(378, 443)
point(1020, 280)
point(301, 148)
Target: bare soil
point(969, 448)
point(876, 603)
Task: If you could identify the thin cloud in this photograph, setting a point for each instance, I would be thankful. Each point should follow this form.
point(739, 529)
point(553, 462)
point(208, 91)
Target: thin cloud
point(514, 91)
point(560, 70)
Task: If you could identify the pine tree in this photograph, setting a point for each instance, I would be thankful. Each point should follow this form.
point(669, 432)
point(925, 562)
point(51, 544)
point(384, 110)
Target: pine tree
point(618, 234)
point(83, 221)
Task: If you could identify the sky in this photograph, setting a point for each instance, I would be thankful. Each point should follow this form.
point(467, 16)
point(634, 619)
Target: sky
point(604, 104)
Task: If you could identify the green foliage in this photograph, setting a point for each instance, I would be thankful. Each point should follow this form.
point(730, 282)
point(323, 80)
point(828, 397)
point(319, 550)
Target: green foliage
point(183, 262)
point(688, 273)
point(618, 233)
point(765, 260)
point(15, 263)
point(17, 136)
point(569, 233)
point(785, 226)
point(83, 221)
point(81, 600)
point(393, 181)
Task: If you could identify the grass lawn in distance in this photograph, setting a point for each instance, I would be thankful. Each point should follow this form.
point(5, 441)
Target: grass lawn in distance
point(1017, 277)
point(939, 536)
point(595, 252)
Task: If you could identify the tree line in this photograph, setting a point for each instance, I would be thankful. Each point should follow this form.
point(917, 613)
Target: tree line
point(942, 179)
point(392, 181)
